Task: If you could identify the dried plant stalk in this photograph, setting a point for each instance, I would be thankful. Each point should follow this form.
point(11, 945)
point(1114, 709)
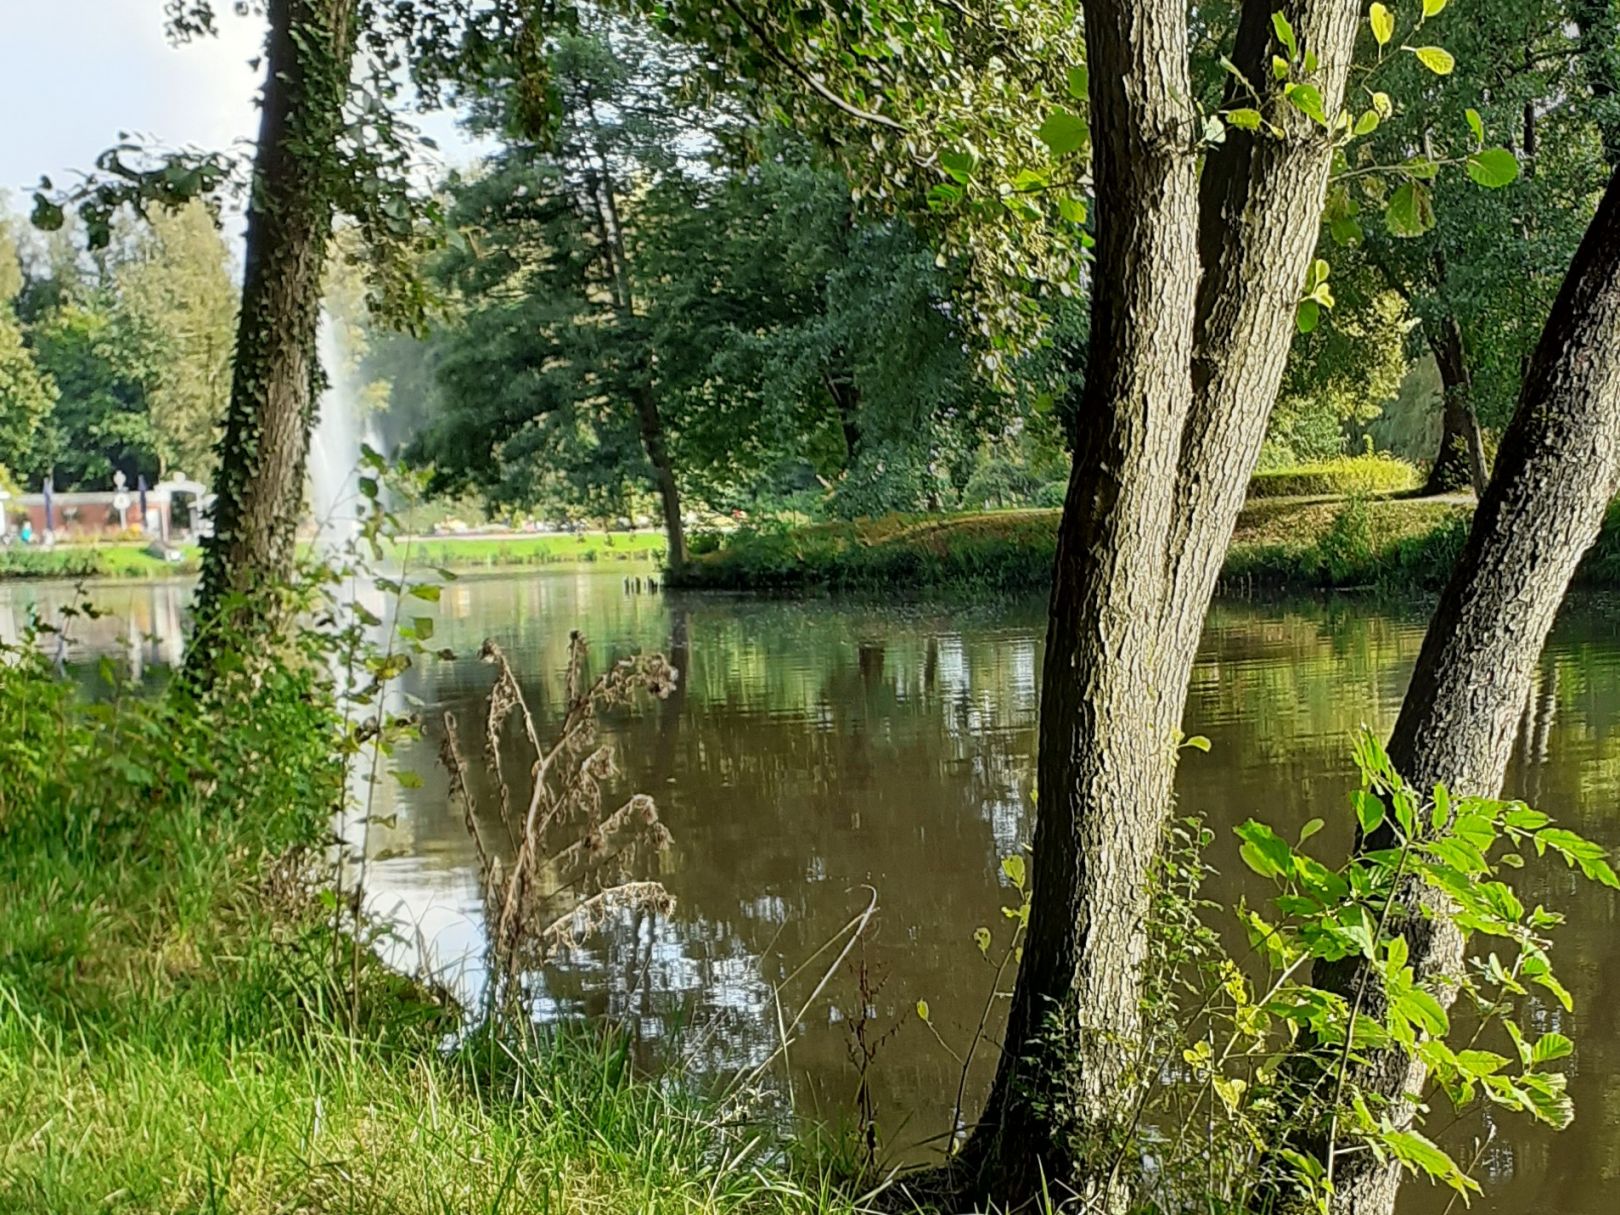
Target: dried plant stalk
point(571, 865)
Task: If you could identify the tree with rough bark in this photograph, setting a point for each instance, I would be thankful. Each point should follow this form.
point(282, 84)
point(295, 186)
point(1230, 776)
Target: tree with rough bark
point(1204, 227)
point(1556, 472)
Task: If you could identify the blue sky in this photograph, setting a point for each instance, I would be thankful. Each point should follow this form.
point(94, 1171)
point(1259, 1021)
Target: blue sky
point(73, 73)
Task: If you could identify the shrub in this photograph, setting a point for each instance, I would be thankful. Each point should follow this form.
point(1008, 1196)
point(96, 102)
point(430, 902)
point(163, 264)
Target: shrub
point(1369, 474)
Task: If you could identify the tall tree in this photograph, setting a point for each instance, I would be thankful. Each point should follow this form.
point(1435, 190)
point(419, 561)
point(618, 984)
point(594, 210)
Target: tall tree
point(331, 140)
point(174, 278)
point(26, 393)
point(550, 369)
point(1479, 268)
point(104, 363)
point(1556, 472)
point(309, 53)
point(1197, 280)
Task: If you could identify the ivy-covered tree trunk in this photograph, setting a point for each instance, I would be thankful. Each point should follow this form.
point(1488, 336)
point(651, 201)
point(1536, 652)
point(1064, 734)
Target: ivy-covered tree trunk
point(260, 480)
point(1193, 302)
point(1460, 461)
point(1556, 472)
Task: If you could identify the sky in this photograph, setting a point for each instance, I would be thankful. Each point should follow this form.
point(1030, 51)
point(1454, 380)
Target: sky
point(74, 73)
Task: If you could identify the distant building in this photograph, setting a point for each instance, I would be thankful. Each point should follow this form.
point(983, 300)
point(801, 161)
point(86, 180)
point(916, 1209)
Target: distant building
point(106, 514)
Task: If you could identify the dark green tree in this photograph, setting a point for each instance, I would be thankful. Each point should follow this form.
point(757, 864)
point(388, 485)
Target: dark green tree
point(548, 374)
point(105, 364)
point(1478, 269)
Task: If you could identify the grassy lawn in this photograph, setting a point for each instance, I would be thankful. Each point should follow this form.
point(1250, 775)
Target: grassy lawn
point(1283, 542)
point(463, 555)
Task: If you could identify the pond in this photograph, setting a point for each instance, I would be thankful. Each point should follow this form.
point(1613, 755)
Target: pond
point(819, 748)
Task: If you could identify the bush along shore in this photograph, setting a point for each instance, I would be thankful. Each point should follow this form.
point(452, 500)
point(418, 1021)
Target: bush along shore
point(191, 1021)
point(1283, 544)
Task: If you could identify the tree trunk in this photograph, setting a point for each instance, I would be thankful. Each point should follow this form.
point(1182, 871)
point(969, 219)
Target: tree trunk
point(846, 399)
point(1460, 462)
point(649, 421)
point(1181, 378)
point(1558, 469)
point(260, 481)
point(651, 426)
point(1598, 23)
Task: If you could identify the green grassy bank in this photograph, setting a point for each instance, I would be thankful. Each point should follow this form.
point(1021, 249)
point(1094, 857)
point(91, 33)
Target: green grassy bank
point(1281, 543)
point(184, 1029)
point(468, 555)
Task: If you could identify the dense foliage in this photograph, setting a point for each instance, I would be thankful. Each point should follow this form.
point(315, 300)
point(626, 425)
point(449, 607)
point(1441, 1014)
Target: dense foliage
point(117, 362)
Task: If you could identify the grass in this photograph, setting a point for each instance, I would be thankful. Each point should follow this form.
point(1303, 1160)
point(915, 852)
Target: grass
point(1296, 544)
point(181, 1029)
point(1347, 543)
point(488, 552)
point(132, 560)
point(1364, 474)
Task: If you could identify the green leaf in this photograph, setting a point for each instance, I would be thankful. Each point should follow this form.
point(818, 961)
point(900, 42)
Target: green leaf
point(1063, 132)
point(1013, 867)
point(1382, 104)
point(1197, 742)
point(428, 591)
point(959, 165)
point(1369, 809)
point(1551, 1046)
point(1244, 118)
point(981, 938)
point(1420, 1153)
point(1285, 34)
point(1264, 851)
point(1421, 1008)
point(1411, 210)
point(1481, 1062)
point(1493, 167)
point(1382, 22)
point(1310, 828)
point(1475, 124)
point(1436, 59)
point(922, 1010)
point(1307, 316)
point(1431, 8)
point(1071, 208)
point(408, 779)
point(1079, 83)
point(423, 627)
point(1344, 230)
point(1367, 123)
point(1307, 98)
point(1397, 952)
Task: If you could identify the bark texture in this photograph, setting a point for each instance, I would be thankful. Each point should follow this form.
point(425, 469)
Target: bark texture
point(1556, 472)
point(260, 482)
point(1181, 378)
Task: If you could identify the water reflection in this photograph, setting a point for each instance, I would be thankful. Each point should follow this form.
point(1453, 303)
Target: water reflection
point(817, 748)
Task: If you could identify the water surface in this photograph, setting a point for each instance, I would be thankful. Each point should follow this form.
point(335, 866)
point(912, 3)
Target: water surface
point(818, 749)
